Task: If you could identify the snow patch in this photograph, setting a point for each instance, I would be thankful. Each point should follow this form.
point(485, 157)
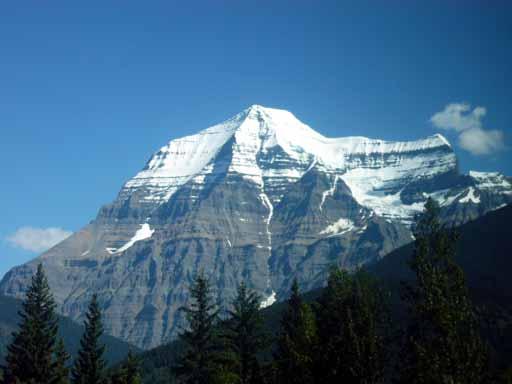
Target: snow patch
point(145, 232)
point(499, 207)
point(329, 192)
point(339, 227)
point(313, 163)
point(470, 197)
point(483, 175)
point(444, 197)
point(443, 139)
point(266, 201)
point(378, 184)
point(491, 180)
point(269, 300)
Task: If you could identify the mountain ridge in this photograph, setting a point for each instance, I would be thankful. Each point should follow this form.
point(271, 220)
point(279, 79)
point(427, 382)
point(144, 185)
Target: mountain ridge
point(258, 129)
point(253, 201)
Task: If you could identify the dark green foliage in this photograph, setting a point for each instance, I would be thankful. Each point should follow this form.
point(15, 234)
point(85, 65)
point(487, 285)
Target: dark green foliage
point(129, 371)
point(131, 367)
point(158, 365)
point(198, 362)
point(483, 251)
point(61, 364)
point(69, 331)
point(245, 337)
point(367, 326)
point(297, 341)
point(352, 322)
point(30, 357)
point(443, 343)
point(90, 366)
point(506, 376)
point(331, 313)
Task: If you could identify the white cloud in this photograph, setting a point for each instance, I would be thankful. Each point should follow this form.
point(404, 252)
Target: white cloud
point(481, 142)
point(473, 137)
point(37, 239)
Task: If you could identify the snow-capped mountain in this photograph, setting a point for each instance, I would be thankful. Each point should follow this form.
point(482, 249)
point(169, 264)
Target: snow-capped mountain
point(273, 149)
point(261, 197)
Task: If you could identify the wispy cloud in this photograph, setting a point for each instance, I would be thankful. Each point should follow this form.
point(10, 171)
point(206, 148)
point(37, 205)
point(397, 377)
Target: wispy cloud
point(473, 137)
point(37, 239)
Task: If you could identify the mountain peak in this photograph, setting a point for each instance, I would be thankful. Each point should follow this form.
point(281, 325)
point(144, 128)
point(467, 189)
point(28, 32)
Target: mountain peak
point(255, 108)
point(279, 138)
point(275, 119)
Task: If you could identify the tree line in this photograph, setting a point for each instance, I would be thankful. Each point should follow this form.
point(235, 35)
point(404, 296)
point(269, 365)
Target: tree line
point(37, 355)
point(345, 336)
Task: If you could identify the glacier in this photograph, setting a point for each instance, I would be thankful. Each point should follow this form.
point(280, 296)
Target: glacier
point(371, 168)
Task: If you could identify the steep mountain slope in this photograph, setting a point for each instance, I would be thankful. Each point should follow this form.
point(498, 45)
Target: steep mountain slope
point(262, 198)
point(70, 332)
point(483, 251)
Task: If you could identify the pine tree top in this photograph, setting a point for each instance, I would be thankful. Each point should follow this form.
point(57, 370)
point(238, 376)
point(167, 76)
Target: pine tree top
point(30, 356)
point(90, 365)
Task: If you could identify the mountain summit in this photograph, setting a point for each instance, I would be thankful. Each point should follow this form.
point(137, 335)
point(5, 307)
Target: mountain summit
point(271, 146)
point(260, 198)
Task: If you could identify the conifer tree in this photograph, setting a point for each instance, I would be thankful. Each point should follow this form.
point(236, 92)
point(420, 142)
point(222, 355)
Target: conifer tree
point(129, 372)
point(443, 343)
point(245, 335)
point(61, 361)
point(330, 312)
point(132, 369)
point(296, 341)
point(197, 364)
point(351, 329)
point(90, 366)
point(366, 326)
point(30, 356)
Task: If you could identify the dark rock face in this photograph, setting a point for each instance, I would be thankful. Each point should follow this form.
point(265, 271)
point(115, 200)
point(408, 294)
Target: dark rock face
point(262, 199)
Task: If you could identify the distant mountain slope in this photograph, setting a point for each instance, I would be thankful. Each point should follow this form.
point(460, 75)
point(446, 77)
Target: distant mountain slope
point(262, 198)
point(484, 252)
point(69, 330)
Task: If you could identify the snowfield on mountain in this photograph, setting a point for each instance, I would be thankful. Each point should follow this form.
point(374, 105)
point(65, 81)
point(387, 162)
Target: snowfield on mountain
point(261, 198)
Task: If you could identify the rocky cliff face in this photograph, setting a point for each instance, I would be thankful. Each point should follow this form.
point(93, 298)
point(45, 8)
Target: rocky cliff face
point(261, 198)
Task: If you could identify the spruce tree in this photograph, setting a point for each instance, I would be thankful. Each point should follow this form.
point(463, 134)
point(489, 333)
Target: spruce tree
point(366, 325)
point(296, 342)
point(443, 343)
point(90, 366)
point(129, 372)
point(197, 364)
point(330, 311)
point(245, 335)
point(30, 356)
point(351, 329)
point(61, 364)
point(132, 369)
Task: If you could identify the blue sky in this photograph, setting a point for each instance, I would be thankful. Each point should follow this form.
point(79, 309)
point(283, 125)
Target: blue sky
point(89, 91)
